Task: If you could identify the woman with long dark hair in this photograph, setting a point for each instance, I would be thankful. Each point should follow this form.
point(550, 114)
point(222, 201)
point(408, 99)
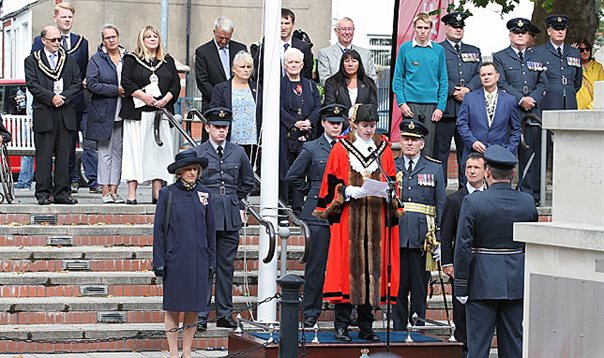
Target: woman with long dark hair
point(350, 85)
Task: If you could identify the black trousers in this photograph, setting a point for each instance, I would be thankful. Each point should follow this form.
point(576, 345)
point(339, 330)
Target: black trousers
point(459, 318)
point(314, 271)
point(414, 281)
point(532, 181)
point(55, 142)
point(74, 176)
point(446, 129)
point(342, 313)
point(227, 243)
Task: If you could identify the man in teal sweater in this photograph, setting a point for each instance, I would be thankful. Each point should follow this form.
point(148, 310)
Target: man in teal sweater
point(420, 80)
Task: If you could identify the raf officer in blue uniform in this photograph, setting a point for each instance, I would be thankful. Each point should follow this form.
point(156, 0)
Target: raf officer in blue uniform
point(563, 62)
point(422, 188)
point(230, 178)
point(305, 175)
point(463, 64)
point(489, 264)
point(522, 74)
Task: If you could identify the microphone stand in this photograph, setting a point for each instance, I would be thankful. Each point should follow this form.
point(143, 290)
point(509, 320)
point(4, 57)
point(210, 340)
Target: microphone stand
point(390, 194)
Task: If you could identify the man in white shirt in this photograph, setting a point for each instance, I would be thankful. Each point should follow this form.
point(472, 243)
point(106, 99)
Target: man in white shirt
point(329, 57)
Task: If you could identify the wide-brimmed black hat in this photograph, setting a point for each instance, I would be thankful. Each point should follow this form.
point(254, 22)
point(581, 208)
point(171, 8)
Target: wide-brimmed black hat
point(411, 128)
point(499, 157)
point(336, 113)
point(367, 113)
point(186, 158)
point(219, 116)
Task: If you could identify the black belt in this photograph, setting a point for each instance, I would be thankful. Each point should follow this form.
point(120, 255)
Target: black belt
point(223, 190)
point(483, 250)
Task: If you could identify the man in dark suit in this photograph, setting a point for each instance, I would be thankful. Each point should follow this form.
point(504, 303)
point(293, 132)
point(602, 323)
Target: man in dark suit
point(230, 178)
point(489, 264)
point(306, 175)
point(463, 63)
point(422, 185)
point(288, 21)
point(488, 116)
point(213, 60)
point(54, 81)
point(474, 174)
point(75, 46)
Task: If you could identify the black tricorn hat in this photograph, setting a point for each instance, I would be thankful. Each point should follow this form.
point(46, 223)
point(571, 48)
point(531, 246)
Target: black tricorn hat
point(186, 158)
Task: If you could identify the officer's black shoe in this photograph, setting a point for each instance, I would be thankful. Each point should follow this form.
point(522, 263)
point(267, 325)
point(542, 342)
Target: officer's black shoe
point(226, 322)
point(202, 327)
point(342, 334)
point(369, 335)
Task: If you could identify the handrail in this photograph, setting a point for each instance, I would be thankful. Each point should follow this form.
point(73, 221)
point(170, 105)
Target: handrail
point(270, 230)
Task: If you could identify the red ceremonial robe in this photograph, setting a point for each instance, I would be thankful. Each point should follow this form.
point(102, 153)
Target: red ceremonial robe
point(357, 258)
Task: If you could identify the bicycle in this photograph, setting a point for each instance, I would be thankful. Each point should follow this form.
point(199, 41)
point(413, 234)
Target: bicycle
point(6, 176)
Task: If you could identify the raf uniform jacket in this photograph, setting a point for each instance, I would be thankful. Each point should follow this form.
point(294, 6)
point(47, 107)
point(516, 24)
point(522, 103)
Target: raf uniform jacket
point(79, 52)
point(462, 70)
point(487, 221)
point(425, 185)
point(306, 175)
point(473, 122)
point(521, 79)
point(208, 67)
point(448, 224)
point(329, 61)
point(41, 87)
point(229, 179)
point(564, 75)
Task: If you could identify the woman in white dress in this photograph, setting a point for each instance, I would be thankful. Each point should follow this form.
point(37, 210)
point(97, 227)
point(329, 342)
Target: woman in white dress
point(150, 82)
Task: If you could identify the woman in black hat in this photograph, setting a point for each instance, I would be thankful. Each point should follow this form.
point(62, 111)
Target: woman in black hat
point(184, 247)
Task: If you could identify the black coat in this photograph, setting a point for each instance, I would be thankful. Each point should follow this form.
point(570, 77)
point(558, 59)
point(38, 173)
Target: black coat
point(102, 83)
point(6, 137)
point(191, 246)
point(448, 224)
point(135, 77)
point(41, 87)
point(258, 55)
point(337, 93)
point(222, 96)
point(208, 67)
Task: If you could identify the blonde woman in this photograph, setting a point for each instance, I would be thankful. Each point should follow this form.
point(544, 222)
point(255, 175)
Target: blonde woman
point(150, 82)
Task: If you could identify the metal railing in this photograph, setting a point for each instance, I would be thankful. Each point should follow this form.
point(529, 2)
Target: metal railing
point(270, 230)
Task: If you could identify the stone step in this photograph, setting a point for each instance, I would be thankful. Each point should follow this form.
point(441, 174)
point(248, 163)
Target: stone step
point(114, 258)
point(81, 214)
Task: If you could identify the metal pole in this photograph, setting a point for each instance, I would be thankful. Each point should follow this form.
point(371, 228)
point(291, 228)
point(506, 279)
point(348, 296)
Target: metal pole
point(269, 187)
point(543, 187)
point(188, 47)
point(290, 304)
point(163, 23)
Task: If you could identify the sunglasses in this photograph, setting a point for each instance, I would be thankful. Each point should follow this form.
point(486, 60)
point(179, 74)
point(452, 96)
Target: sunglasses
point(54, 39)
point(584, 49)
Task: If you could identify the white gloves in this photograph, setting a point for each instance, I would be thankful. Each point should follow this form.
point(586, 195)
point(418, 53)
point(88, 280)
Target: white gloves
point(436, 253)
point(462, 299)
point(355, 192)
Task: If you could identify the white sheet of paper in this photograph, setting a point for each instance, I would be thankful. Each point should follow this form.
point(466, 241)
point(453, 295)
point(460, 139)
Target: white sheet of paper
point(373, 187)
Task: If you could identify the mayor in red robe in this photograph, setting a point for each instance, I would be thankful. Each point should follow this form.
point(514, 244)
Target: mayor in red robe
point(358, 250)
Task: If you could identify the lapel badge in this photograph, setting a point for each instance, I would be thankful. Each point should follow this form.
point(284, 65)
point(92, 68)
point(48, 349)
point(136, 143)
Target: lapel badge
point(203, 197)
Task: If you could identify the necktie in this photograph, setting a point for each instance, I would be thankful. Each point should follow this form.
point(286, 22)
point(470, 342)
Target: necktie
point(559, 52)
point(333, 142)
point(224, 58)
point(219, 150)
point(520, 56)
point(346, 50)
point(457, 48)
point(51, 60)
point(410, 167)
point(285, 47)
point(64, 42)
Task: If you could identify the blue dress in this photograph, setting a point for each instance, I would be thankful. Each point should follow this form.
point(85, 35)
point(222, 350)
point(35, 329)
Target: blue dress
point(191, 246)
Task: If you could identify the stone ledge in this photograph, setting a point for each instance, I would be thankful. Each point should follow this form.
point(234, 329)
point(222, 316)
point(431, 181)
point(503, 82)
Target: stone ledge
point(105, 209)
point(570, 120)
point(562, 234)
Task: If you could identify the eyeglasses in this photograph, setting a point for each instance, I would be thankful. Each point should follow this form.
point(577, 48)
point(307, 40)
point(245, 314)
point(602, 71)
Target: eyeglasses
point(345, 28)
point(54, 39)
point(584, 49)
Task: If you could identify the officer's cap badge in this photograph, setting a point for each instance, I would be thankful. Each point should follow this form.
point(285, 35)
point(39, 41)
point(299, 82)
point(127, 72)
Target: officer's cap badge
point(458, 17)
point(221, 114)
point(411, 126)
point(520, 23)
point(559, 19)
point(336, 110)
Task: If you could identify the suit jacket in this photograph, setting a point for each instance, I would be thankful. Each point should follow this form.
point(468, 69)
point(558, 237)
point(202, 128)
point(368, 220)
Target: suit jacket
point(473, 123)
point(564, 74)
point(223, 94)
point(329, 61)
point(462, 70)
point(41, 87)
point(487, 221)
point(337, 93)
point(258, 54)
point(306, 175)
point(79, 51)
point(448, 224)
point(229, 179)
point(521, 79)
point(208, 67)
point(413, 226)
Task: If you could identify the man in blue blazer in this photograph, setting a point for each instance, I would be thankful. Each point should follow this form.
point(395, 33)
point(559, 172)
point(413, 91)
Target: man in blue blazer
point(489, 264)
point(488, 116)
